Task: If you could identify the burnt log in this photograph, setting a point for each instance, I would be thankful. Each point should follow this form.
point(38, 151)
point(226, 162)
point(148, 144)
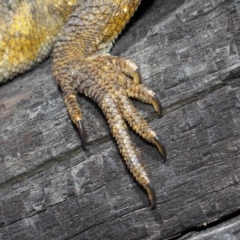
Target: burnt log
point(188, 53)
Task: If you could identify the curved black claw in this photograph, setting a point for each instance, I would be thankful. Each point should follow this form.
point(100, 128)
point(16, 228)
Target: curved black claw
point(157, 105)
point(151, 195)
point(81, 133)
point(161, 148)
point(137, 77)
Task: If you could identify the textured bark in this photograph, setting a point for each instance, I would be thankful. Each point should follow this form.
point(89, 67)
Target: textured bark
point(188, 52)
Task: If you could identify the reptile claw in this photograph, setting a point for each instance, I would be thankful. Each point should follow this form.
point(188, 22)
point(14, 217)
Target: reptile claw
point(151, 195)
point(161, 148)
point(157, 105)
point(137, 77)
point(81, 133)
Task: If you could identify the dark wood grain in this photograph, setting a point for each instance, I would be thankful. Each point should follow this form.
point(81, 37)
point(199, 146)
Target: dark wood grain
point(188, 52)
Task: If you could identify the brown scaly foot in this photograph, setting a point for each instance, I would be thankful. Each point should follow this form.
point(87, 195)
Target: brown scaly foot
point(81, 64)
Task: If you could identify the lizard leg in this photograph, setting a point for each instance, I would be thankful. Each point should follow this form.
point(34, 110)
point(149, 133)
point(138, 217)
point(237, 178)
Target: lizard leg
point(70, 99)
point(132, 116)
point(136, 90)
point(81, 53)
point(126, 147)
point(126, 66)
point(104, 81)
point(146, 95)
point(142, 93)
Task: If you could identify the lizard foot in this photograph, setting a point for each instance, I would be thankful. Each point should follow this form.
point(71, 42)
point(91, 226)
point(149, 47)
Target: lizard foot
point(110, 81)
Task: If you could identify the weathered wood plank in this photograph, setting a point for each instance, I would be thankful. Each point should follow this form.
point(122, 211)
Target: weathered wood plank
point(49, 188)
point(228, 229)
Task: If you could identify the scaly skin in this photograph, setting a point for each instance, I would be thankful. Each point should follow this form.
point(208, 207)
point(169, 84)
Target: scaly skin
point(28, 29)
point(82, 63)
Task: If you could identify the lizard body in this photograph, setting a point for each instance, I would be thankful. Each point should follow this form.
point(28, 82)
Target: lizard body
point(82, 33)
point(27, 32)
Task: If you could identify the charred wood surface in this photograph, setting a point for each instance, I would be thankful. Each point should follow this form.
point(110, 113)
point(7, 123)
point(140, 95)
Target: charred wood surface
point(188, 52)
